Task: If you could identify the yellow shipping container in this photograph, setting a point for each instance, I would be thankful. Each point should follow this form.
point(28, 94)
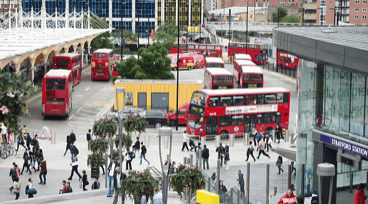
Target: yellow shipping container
point(205, 197)
point(157, 93)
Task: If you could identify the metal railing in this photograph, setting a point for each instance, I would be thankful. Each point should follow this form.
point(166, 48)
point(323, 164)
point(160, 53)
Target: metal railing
point(284, 71)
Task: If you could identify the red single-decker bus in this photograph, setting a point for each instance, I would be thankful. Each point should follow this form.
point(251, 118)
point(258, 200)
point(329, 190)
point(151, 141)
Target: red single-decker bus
point(57, 89)
point(72, 62)
point(237, 111)
point(258, 52)
point(102, 64)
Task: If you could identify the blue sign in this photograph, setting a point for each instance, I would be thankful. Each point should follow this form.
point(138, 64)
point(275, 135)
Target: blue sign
point(344, 145)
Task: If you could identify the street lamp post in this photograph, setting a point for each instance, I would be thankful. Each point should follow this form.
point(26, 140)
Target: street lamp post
point(229, 24)
point(165, 132)
point(121, 30)
point(321, 15)
point(147, 36)
point(200, 22)
point(120, 125)
point(186, 38)
point(336, 16)
point(246, 37)
point(177, 76)
point(168, 18)
point(303, 10)
point(278, 16)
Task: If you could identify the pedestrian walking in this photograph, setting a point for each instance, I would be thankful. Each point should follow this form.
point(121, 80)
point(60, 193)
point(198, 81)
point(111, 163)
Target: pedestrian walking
point(72, 137)
point(43, 171)
point(25, 163)
point(257, 138)
point(241, 183)
point(28, 141)
point(198, 148)
point(36, 158)
point(227, 147)
point(95, 185)
point(293, 168)
point(88, 137)
point(214, 180)
point(118, 178)
point(111, 171)
point(64, 189)
point(278, 132)
point(137, 146)
point(85, 180)
point(273, 193)
point(220, 153)
point(129, 157)
point(227, 159)
point(250, 151)
point(269, 141)
point(31, 160)
point(143, 153)
point(289, 198)
point(35, 143)
point(191, 144)
point(73, 150)
point(205, 156)
point(30, 189)
point(279, 164)
point(261, 148)
point(360, 197)
point(20, 141)
point(172, 168)
point(74, 165)
point(68, 141)
point(14, 173)
point(222, 192)
point(185, 140)
point(16, 186)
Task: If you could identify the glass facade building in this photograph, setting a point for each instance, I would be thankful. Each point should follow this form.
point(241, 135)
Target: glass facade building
point(332, 121)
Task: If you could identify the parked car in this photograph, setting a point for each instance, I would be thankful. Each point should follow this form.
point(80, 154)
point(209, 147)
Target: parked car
point(182, 115)
point(155, 117)
point(127, 112)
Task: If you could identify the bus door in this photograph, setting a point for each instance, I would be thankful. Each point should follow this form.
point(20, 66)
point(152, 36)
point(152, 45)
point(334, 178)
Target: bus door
point(249, 123)
point(212, 126)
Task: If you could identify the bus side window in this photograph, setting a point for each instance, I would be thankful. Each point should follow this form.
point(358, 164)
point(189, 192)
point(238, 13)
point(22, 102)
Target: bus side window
point(259, 119)
point(238, 100)
point(250, 100)
point(225, 120)
point(214, 101)
point(278, 117)
point(260, 99)
point(286, 97)
point(225, 101)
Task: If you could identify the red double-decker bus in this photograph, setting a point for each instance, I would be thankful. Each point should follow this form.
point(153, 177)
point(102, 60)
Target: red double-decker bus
point(72, 62)
point(57, 89)
point(209, 50)
point(237, 111)
point(258, 52)
point(102, 64)
point(218, 79)
point(250, 77)
point(239, 63)
point(242, 57)
point(286, 60)
point(214, 62)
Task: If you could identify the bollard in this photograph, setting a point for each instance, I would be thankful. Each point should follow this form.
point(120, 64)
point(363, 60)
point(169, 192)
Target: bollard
point(53, 138)
point(200, 159)
point(286, 135)
point(191, 159)
point(209, 184)
point(218, 140)
point(267, 183)
point(238, 201)
point(188, 160)
point(289, 176)
point(148, 141)
point(248, 182)
point(106, 160)
point(232, 136)
point(292, 137)
point(145, 140)
point(231, 196)
point(246, 139)
point(185, 160)
point(218, 177)
point(203, 140)
point(274, 136)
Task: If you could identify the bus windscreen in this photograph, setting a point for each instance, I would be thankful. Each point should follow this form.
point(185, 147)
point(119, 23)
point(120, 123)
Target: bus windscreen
point(100, 55)
point(215, 65)
point(55, 84)
point(253, 77)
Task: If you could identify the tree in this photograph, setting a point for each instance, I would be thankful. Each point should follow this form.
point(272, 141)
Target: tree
point(153, 64)
point(13, 91)
point(282, 13)
point(127, 36)
point(291, 19)
point(167, 34)
point(102, 41)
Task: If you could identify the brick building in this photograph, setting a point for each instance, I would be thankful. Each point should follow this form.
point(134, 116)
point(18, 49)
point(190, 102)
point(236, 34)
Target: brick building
point(5, 5)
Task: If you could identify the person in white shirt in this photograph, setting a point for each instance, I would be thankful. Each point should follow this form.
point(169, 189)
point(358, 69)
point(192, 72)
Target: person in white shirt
point(118, 178)
point(250, 151)
point(274, 192)
point(185, 139)
point(111, 171)
point(4, 132)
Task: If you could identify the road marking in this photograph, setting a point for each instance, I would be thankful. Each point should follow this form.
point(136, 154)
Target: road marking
point(79, 109)
point(86, 70)
point(34, 98)
point(103, 111)
point(78, 95)
point(71, 117)
point(283, 77)
point(88, 88)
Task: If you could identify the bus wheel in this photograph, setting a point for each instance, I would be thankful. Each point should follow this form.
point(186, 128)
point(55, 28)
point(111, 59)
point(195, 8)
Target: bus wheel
point(195, 67)
point(172, 122)
point(189, 68)
point(224, 135)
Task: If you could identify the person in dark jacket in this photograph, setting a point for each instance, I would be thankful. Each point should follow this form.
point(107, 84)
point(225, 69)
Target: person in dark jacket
point(14, 173)
point(222, 192)
point(88, 137)
point(205, 156)
point(241, 182)
point(192, 145)
point(278, 132)
point(95, 185)
point(172, 168)
point(68, 141)
point(43, 171)
point(250, 151)
point(143, 153)
point(69, 188)
point(73, 150)
point(118, 178)
point(227, 159)
point(28, 141)
point(25, 163)
point(84, 180)
point(136, 146)
point(72, 137)
point(221, 152)
point(279, 164)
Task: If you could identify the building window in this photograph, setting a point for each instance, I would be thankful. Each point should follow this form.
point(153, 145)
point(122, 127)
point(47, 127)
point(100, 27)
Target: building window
point(364, 9)
point(364, 17)
point(356, 9)
point(289, 1)
point(364, 24)
point(357, 2)
point(356, 24)
point(356, 17)
point(364, 2)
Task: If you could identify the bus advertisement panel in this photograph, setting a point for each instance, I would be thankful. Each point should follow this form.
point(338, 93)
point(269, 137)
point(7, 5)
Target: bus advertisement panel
point(218, 79)
point(57, 89)
point(237, 111)
point(286, 60)
point(258, 52)
point(214, 62)
point(72, 62)
point(102, 64)
point(251, 77)
point(209, 50)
